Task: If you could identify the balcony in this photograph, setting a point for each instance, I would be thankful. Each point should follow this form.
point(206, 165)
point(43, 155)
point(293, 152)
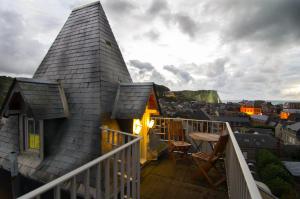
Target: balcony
point(117, 173)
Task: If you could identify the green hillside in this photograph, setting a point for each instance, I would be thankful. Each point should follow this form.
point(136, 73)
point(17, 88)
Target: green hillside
point(5, 83)
point(208, 96)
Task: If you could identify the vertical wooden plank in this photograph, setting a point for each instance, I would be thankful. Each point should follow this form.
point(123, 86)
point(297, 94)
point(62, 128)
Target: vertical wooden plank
point(98, 181)
point(41, 125)
point(21, 132)
point(115, 177)
point(73, 188)
point(87, 184)
point(113, 137)
point(107, 136)
point(106, 182)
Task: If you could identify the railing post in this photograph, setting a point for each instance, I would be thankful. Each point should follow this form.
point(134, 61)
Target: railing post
point(128, 173)
point(107, 175)
point(115, 177)
point(138, 169)
point(122, 172)
point(87, 184)
point(57, 192)
point(73, 188)
point(98, 181)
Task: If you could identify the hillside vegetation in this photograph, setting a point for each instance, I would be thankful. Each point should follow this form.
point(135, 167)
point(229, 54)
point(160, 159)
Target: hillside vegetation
point(208, 96)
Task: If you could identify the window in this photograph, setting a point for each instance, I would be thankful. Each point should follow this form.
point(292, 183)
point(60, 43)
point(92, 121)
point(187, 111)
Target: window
point(33, 134)
point(32, 137)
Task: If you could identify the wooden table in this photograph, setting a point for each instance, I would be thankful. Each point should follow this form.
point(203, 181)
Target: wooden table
point(204, 137)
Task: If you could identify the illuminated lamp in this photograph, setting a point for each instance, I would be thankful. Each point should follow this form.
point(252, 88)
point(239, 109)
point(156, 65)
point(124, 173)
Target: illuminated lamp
point(137, 126)
point(150, 123)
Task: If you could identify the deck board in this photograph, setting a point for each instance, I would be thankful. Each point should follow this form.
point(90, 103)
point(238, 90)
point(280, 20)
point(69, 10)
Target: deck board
point(164, 179)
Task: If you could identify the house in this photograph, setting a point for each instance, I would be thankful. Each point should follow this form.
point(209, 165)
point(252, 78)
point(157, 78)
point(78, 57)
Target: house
point(261, 131)
point(81, 84)
point(235, 121)
point(259, 120)
point(288, 133)
point(250, 144)
point(289, 108)
point(293, 168)
point(251, 107)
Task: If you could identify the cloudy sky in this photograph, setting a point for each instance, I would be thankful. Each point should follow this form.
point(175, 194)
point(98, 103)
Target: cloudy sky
point(242, 49)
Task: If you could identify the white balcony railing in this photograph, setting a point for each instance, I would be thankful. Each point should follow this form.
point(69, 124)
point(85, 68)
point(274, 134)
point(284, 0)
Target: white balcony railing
point(114, 174)
point(240, 181)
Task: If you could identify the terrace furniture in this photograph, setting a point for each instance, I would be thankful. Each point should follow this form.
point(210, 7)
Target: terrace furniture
point(176, 143)
point(207, 161)
point(198, 138)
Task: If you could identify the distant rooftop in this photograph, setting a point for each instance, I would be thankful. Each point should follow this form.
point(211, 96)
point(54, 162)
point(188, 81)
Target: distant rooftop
point(292, 167)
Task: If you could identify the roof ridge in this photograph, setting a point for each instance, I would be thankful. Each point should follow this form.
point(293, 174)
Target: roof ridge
point(34, 80)
point(137, 84)
point(86, 5)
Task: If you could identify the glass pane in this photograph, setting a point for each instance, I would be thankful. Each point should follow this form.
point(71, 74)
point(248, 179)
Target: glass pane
point(30, 126)
point(33, 134)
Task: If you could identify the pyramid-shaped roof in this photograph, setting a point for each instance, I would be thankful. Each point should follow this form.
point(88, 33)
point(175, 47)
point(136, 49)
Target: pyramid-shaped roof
point(86, 60)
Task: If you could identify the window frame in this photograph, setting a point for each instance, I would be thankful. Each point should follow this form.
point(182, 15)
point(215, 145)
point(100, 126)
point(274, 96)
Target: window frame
point(24, 136)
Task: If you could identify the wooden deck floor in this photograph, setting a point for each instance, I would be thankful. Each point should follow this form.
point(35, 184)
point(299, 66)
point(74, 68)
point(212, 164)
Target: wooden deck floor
point(162, 179)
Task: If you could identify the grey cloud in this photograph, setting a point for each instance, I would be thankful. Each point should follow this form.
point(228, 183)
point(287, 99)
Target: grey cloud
point(217, 67)
point(157, 6)
point(141, 65)
point(186, 24)
point(120, 6)
point(152, 35)
point(19, 53)
point(144, 71)
point(183, 75)
point(271, 22)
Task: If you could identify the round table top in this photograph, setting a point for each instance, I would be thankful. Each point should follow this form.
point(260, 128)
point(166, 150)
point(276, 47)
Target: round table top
point(209, 137)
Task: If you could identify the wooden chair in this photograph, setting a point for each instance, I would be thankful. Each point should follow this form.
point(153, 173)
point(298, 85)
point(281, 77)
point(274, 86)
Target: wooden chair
point(207, 161)
point(176, 143)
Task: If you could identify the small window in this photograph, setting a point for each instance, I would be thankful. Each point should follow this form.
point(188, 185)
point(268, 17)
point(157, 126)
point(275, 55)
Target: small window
point(32, 135)
point(108, 43)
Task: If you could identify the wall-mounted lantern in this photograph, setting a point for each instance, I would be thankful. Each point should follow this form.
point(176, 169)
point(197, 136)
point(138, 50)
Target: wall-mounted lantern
point(137, 126)
point(150, 123)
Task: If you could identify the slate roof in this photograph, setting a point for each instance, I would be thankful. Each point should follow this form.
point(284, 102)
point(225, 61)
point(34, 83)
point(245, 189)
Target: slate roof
point(86, 59)
point(131, 100)
point(44, 98)
point(249, 140)
point(262, 118)
point(294, 127)
point(292, 167)
point(233, 119)
point(262, 131)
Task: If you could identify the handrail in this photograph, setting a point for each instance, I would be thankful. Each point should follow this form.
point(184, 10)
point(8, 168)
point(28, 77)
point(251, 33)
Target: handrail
point(240, 181)
point(186, 119)
point(253, 190)
point(68, 176)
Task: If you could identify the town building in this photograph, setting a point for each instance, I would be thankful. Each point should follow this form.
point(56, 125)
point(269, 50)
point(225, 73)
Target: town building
point(251, 143)
point(288, 133)
point(289, 108)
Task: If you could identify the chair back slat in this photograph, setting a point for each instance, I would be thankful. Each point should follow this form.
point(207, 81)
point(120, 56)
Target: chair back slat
point(220, 145)
point(176, 131)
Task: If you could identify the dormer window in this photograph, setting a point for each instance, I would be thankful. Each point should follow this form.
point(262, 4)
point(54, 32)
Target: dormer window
point(32, 136)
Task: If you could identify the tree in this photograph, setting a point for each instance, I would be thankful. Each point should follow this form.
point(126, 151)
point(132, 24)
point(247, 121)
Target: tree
point(265, 157)
point(271, 171)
